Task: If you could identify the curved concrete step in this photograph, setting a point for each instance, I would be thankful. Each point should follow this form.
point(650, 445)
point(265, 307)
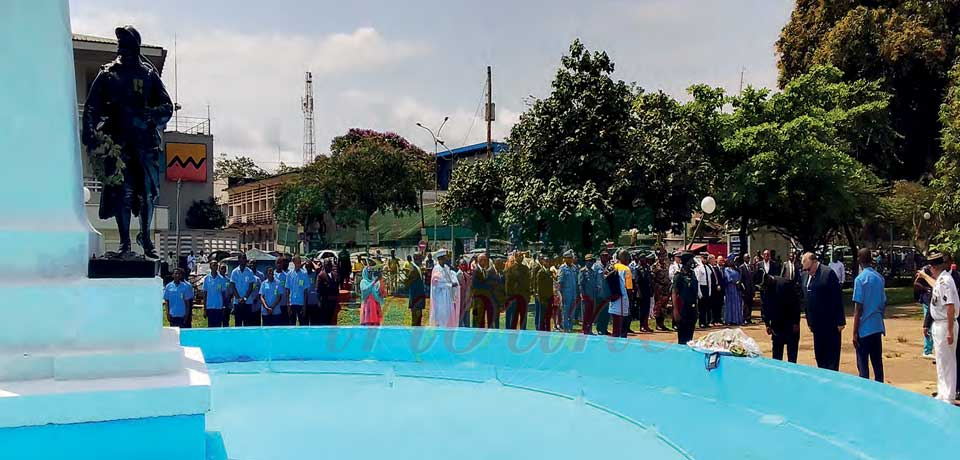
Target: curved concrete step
point(161, 358)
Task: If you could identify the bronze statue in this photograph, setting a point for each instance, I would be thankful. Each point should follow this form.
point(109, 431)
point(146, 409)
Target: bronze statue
point(125, 113)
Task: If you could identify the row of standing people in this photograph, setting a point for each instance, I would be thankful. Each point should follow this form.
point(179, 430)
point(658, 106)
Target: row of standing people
point(805, 286)
point(306, 294)
point(600, 292)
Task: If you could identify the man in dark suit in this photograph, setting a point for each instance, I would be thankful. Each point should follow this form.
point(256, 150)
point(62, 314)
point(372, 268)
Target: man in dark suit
point(781, 314)
point(769, 265)
point(746, 277)
point(716, 297)
point(824, 306)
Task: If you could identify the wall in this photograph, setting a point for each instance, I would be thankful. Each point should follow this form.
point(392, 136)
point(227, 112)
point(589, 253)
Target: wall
point(190, 191)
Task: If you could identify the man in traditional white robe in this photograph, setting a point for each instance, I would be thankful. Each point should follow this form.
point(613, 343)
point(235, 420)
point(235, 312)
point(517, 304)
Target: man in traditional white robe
point(444, 293)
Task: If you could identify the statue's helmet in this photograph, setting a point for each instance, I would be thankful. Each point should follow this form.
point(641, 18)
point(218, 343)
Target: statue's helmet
point(128, 35)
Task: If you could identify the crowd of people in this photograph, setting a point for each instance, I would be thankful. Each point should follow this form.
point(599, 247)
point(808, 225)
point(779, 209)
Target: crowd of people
point(615, 293)
point(293, 292)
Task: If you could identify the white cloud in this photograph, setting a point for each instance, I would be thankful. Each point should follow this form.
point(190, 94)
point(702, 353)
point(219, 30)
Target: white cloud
point(102, 23)
point(254, 83)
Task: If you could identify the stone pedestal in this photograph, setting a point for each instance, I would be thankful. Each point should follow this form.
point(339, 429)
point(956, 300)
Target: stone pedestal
point(86, 369)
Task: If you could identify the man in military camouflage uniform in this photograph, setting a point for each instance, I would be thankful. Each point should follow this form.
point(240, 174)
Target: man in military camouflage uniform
point(661, 289)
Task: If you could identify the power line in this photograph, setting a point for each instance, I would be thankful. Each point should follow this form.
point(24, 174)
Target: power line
point(476, 114)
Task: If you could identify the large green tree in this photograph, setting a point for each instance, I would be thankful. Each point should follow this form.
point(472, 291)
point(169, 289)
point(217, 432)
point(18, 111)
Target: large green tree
point(801, 176)
point(371, 174)
point(566, 151)
point(667, 171)
point(475, 196)
point(307, 197)
point(947, 175)
point(909, 45)
point(946, 181)
point(904, 208)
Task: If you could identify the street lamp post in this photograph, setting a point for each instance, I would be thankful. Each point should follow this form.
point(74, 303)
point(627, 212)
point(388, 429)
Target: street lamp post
point(436, 168)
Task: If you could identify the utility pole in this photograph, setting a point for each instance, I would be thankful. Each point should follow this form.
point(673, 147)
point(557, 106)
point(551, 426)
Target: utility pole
point(490, 113)
point(306, 103)
point(176, 88)
point(742, 70)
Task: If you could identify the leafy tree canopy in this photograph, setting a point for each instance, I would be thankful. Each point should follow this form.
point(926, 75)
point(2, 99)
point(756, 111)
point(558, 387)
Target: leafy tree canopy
point(205, 215)
point(908, 45)
point(475, 196)
point(801, 176)
point(238, 168)
point(566, 149)
point(308, 196)
point(370, 174)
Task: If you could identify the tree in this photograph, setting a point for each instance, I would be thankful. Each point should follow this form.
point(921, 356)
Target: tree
point(238, 168)
point(371, 173)
point(475, 196)
point(566, 150)
point(307, 197)
point(909, 45)
point(205, 215)
point(904, 207)
point(801, 176)
point(667, 170)
point(946, 179)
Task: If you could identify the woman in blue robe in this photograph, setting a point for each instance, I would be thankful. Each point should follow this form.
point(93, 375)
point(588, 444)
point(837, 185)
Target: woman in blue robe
point(733, 305)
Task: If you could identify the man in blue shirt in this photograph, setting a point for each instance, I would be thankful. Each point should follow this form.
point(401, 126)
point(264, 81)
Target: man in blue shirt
point(177, 299)
point(243, 282)
point(215, 287)
point(569, 289)
point(280, 274)
point(271, 300)
point(870, 301)
point(297, 284)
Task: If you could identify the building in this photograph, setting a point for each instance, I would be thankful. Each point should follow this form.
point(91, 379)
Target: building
point(448, 160)
point(187, 147)
point(250, 211)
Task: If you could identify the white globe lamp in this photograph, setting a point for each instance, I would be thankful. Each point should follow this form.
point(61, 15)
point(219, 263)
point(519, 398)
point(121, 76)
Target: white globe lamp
point(708, 205)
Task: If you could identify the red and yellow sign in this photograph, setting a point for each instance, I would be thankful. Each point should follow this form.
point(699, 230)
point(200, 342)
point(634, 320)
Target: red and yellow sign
point(186, 162)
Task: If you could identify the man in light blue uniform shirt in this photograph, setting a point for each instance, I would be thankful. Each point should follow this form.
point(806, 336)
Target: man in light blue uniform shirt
point(271, 300)
point(569, 291)
point(245, 298)
point(215, 287)
point(297, 283)
point(870, 301)
point(177, 298)
point(280, 275)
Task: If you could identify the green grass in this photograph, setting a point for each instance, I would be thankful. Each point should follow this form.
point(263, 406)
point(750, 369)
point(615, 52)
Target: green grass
point(896, 296)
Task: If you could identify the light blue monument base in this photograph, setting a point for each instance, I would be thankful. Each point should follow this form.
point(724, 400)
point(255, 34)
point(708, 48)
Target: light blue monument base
point(86, 369)
point(374, 393)
point(158, 438)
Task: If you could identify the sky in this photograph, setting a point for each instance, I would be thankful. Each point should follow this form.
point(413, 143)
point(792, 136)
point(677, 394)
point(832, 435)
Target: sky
point(388, 64)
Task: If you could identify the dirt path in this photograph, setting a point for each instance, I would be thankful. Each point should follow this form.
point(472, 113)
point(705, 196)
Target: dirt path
point(902, 364)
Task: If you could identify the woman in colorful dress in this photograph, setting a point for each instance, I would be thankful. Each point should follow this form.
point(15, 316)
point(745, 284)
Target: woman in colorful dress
point(733, 303)
point(372, 292)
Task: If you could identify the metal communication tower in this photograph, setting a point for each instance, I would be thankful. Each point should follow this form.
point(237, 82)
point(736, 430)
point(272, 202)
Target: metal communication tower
point(309, 145)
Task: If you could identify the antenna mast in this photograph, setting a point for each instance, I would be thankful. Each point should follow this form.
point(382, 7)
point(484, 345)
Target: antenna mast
point(309, 145)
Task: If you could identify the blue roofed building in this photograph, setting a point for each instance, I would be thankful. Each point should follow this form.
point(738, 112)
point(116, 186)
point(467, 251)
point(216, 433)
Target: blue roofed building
point(447, 159)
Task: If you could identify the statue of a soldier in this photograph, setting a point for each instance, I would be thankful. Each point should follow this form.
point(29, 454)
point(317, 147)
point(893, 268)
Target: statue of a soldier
point(125, 113)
